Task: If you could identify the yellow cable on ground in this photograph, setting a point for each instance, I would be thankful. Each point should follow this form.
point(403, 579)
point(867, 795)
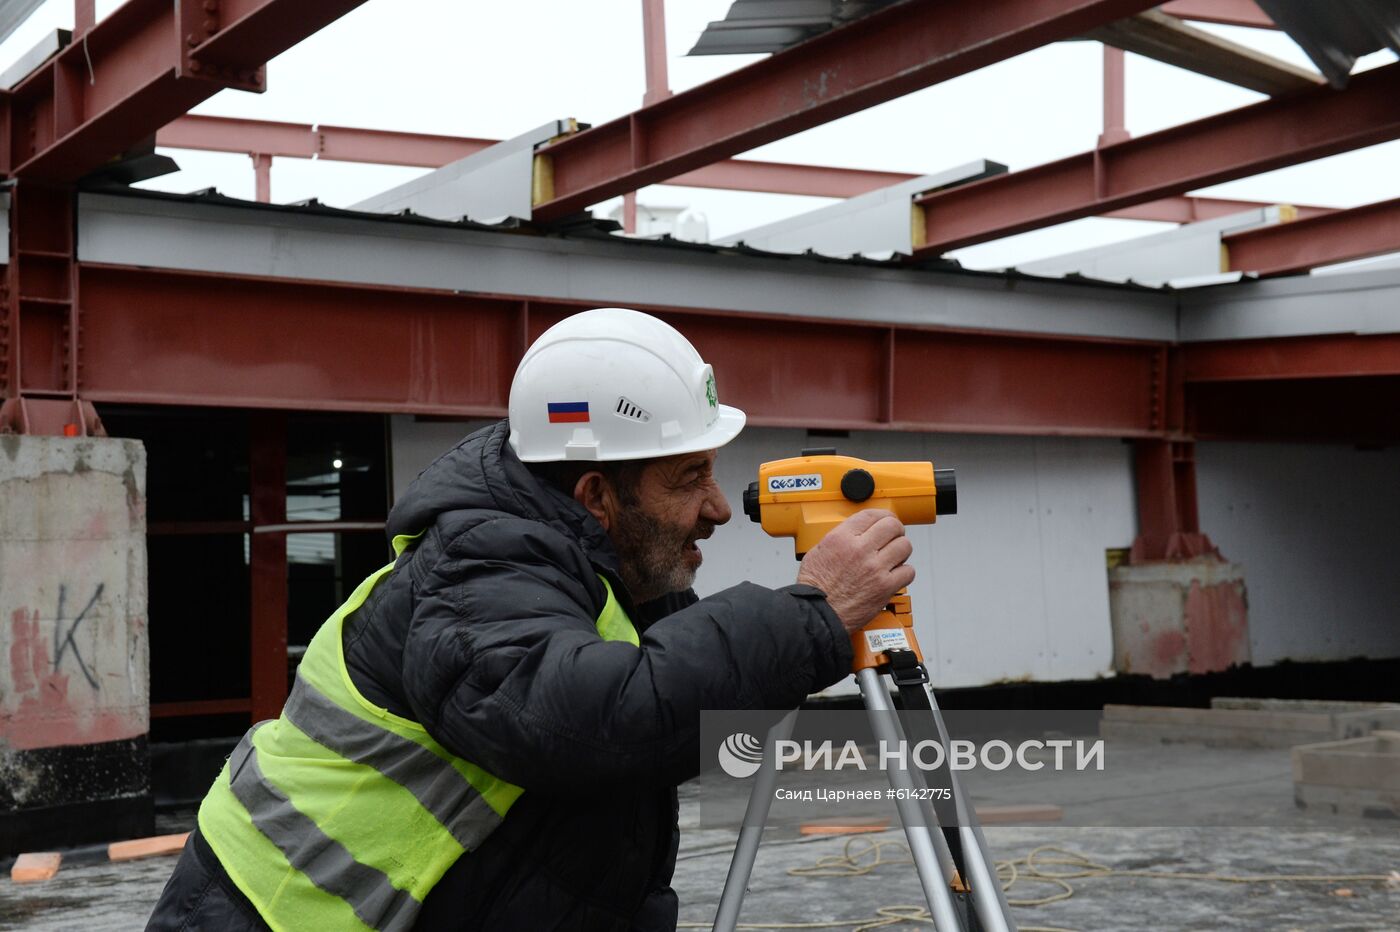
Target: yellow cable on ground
point(852, 862)
point(862, 854)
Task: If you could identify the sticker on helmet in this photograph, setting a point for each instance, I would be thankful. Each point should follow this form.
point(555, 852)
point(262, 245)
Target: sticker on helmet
point(568, 412)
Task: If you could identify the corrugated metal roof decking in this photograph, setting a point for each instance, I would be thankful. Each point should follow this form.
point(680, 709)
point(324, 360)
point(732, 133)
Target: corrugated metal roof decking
point(588, 227)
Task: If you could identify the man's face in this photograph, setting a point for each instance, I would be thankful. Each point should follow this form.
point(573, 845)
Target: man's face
point(677, 504)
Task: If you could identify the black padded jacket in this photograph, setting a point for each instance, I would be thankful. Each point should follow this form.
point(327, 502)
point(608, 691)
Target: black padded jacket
point(485, 634)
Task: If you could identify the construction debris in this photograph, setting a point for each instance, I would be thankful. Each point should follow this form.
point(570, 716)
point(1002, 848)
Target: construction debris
point(1359, 776)
point(1252, 723)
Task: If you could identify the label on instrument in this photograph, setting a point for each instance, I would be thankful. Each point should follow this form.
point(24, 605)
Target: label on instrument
point(808, 483)
point(883, 639)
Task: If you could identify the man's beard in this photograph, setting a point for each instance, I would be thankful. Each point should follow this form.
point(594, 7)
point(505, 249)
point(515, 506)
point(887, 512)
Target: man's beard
point(653, 554)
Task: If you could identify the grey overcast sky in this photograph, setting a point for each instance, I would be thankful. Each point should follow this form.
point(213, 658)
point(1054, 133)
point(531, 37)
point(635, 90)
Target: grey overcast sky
point(495, 69)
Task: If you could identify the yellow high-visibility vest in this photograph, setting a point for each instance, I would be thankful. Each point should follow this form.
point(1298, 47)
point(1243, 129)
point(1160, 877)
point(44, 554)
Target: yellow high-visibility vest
point(340, 814)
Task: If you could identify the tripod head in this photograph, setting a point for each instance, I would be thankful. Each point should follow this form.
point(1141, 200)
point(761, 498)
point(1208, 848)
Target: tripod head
point(806, 496)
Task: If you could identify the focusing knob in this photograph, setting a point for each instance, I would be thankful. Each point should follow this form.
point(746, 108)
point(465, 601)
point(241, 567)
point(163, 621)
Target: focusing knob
point(857, 485)
point(751, 503)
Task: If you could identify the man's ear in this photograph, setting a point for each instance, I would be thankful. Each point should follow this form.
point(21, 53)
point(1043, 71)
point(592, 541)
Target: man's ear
point(593, 492)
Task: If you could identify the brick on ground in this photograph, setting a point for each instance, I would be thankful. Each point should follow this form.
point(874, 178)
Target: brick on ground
point(35, 866)
point(146, 847)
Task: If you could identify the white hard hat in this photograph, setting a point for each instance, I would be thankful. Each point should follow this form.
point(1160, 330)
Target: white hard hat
point(614, 384)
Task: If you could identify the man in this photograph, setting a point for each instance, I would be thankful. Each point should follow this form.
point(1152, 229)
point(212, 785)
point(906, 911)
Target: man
point(489, 733)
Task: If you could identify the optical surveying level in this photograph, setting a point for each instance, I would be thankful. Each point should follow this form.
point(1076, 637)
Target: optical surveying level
point(807, 496)
point(804, 498)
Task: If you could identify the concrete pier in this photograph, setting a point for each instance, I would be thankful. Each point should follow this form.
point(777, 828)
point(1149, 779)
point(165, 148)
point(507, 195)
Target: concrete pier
point(1183, 617)
point(74, 655)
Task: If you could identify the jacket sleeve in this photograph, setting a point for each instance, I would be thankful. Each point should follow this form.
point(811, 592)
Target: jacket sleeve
point(504, 666)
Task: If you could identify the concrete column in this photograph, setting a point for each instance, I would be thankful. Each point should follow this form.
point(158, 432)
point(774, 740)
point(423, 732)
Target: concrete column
point(1189, 616)
point(74, 657)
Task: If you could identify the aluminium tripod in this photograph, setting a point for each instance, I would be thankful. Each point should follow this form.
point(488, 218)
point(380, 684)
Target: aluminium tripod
point(956, 873)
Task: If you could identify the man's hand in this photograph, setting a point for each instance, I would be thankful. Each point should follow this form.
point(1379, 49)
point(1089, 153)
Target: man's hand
point(859, 565)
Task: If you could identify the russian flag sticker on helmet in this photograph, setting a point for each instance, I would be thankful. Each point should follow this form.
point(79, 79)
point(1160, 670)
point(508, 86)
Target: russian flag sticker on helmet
point(568, 412)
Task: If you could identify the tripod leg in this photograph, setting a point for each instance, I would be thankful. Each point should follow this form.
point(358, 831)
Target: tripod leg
point(992, 908)
point(931, 858)
point(888, 729)
point(736, 884)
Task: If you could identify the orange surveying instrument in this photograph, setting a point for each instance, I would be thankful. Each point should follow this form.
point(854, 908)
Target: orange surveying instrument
point(804, 498)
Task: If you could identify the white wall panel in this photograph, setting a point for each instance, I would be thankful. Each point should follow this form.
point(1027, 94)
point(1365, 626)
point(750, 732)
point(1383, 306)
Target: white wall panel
point(1086, 504)
point(415, 444)
point(1316, 528)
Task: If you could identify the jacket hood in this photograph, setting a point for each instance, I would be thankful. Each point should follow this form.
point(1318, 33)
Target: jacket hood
point(483, 473)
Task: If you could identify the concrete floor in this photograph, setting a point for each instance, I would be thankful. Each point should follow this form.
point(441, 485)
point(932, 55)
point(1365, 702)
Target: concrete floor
point(1229, 811)
point(1100, 902)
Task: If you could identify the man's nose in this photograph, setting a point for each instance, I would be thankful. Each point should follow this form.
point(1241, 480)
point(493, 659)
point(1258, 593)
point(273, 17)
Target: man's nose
point(716, 508)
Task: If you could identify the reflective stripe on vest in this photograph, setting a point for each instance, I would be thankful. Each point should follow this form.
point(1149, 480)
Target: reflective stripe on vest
point(342, 815)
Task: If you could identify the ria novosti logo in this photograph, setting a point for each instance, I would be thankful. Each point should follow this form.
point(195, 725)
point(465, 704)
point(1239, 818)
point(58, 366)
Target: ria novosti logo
point(740, 755)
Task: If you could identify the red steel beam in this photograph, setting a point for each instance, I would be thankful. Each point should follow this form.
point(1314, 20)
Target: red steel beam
point(232, 134)
point(1272, 134)
point(350, 144)
point(198, 707)
point(307, 141)
point(256, 30)
point(788, 178)
point(829, 181)
point(1224, 12)
point(268, 343)
point(1351, 410)
point(271, 343)
point(1286, 248)
point(877, 58)
point(420, 150)
point(146, 63)
point(1280, 358)
point(1181, 208)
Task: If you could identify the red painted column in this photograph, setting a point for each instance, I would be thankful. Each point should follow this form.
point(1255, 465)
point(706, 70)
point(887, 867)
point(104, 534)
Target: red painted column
point(654, 47)
point(41, 328)
point(262, 171)
point(1169, 526)
point(1168, 520)
point(629, 212)
point(84, 17)
point(267, 473)
point(1115, 95)
point(658, 87)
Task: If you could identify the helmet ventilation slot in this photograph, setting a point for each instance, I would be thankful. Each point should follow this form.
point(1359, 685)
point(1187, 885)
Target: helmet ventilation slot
point(630, 410)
